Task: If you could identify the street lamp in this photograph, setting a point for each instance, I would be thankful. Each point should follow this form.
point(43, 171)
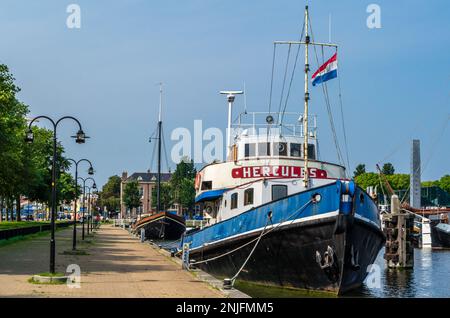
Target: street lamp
point(84, 200)
point(29, 138)
point(90, 172)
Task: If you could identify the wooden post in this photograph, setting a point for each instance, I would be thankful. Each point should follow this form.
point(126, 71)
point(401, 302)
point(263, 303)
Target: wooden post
point(398, 227)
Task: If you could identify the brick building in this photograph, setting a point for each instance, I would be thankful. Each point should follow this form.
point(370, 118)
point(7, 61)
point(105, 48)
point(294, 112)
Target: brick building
point(146, 182)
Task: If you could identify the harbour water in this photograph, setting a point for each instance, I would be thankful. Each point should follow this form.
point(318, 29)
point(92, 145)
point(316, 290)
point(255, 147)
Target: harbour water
point(428, 278)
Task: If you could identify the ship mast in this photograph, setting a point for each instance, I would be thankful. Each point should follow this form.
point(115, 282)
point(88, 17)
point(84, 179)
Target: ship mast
point(158, 184)
point(307, 43)
point(305, 114)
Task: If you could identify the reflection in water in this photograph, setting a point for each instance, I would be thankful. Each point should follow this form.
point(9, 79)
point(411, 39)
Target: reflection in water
point(429, 278)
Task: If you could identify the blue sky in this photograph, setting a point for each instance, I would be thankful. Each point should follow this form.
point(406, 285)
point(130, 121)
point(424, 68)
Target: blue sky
point(395, 80)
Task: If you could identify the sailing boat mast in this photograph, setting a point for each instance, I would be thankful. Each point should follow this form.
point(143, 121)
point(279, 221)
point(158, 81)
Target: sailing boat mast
point(305, 114)
point(158, 183)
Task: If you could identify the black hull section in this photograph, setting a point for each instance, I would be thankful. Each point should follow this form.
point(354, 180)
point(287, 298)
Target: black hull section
point(288, 256)
point(164, 228)
point(439, 239)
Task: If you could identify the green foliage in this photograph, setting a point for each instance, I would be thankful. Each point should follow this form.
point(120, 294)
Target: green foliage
point(444, 183)
point(131, 196)
point(371, 179)
point(25, 168)
point(187, 193)
point(180, 189)
point(388, 169)
point(166, 196)
point(398, 181)
point(359, 170)
point(109, 197)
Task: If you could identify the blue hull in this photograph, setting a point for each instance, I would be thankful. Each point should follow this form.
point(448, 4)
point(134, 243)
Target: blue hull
point(323, 245)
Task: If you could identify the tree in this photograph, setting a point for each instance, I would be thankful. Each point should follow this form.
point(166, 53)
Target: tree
point(388, 169)
point(187, 193)
point(444, 183)
point(109, 197)
point(359, 170)
point(12, 127)
point(369, 179)
point(166, 195)
point(182, 183)
point(131, 196)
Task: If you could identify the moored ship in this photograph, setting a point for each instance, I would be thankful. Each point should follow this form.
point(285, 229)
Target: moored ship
point(277, 214)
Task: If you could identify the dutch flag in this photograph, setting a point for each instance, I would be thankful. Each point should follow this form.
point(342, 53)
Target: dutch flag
point(326, 72)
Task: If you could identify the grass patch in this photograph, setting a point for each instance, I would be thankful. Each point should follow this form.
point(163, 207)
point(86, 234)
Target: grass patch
point(8, 225)
point(264, 291)
point(76, 252)
point(48, 274)
point(32, 281)
point(21, 238)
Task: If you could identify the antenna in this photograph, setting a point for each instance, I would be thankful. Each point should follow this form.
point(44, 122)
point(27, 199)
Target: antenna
point(329, 28)
point(245, 99)
point(160, 101)
point(230, 96)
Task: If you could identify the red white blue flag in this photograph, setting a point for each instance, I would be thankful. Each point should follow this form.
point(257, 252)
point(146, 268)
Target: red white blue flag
point(326, 72)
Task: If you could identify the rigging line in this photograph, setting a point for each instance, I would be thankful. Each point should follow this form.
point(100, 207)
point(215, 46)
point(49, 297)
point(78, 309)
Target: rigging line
point(327, 100)
point(444, 126)
point(343, 122)
point(271, 86)
point(153, 155)
point(284, 81)
point(271, 80)
point(336, 140)
point(328, 107)
point(293, 73)
point(164, 148)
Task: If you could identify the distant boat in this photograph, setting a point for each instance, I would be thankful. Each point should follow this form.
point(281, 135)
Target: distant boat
point(440, 235)
point(161, 226)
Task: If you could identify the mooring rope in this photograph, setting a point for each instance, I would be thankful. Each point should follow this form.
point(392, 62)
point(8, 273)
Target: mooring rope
point(256, 239)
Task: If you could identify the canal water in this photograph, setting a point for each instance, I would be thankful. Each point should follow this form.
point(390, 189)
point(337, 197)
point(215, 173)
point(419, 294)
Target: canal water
point(430, 277)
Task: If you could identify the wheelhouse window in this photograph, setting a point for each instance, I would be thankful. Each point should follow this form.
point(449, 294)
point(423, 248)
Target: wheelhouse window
point(280, 148)
point(248, 196)
point(311, 151)
point(250, 150)
point(296, 150)
point(234, 201)
point(264, 149)
point(279, 191)
point(206, 185)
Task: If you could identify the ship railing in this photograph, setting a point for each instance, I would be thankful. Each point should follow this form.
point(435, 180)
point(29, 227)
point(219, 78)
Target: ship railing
point(287, 124)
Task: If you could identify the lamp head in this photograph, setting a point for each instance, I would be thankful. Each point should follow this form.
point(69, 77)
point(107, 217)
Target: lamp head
point(80, 137)
point(91, 171)
point(29, 136)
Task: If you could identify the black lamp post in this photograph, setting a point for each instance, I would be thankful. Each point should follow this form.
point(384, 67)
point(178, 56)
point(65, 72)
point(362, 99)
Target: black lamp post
point(92, 221)
point(80, 138)
point(84, 200)
point(90, 172)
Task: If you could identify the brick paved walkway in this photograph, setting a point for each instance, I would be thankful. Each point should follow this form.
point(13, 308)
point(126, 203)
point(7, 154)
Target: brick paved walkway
point(117, 266)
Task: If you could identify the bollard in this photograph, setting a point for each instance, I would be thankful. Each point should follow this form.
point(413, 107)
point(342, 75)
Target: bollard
point(142, 235)
point(227, 283)
point(185, 256)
